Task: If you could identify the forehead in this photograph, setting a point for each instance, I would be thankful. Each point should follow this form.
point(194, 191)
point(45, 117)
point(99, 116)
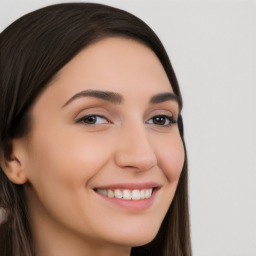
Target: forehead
point(116, 64)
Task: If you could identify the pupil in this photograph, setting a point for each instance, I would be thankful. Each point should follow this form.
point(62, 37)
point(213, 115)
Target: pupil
point(159, 120)
point(91, 119)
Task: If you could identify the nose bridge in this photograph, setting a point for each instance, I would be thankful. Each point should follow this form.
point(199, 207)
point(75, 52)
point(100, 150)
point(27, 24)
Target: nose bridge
point(134, 148)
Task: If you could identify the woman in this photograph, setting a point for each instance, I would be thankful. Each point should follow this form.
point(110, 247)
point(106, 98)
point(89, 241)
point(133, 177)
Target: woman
point(93, 160)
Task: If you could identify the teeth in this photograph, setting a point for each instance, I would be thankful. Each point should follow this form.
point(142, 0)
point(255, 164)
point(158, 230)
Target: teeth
point(126, 194)
point(118, 193)
point(142, 194)
point(148, 193)
point(135, 194)
point(103, 192)
point(110, 193)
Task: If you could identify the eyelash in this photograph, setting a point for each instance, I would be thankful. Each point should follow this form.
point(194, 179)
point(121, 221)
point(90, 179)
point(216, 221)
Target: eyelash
point(169, 119)
point(84, 118)
point(166, 118)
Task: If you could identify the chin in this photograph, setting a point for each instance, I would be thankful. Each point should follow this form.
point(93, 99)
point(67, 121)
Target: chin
point(137, 238)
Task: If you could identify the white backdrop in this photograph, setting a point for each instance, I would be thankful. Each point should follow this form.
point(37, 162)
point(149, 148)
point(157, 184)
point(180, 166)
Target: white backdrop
point(212, 47)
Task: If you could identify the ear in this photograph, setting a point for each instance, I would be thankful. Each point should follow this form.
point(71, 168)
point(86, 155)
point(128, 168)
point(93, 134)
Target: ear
point(14, 166)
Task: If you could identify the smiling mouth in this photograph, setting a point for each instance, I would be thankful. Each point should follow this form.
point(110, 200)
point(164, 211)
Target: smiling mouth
point(126, 194)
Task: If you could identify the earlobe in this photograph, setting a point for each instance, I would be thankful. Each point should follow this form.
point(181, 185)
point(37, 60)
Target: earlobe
point(14, 167)
point(13, 170)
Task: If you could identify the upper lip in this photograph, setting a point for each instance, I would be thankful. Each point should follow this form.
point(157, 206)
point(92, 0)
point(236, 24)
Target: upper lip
point(144, 185)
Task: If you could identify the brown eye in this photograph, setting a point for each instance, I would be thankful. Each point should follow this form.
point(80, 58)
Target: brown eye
point(93, 119)
point(162, 120)
point(90, 120)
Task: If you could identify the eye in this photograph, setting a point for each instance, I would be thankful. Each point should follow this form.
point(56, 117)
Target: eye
point(93, 119)
point(162, 120)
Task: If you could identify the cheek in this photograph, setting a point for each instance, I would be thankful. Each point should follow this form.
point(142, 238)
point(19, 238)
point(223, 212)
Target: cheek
point(67, 158)
point(60, 170)
point(171, 156)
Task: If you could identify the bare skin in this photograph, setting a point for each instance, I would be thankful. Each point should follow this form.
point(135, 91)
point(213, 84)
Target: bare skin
point(79, 145)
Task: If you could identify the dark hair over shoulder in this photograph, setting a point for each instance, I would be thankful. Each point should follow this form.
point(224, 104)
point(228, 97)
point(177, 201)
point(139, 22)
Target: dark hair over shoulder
point(32, 50)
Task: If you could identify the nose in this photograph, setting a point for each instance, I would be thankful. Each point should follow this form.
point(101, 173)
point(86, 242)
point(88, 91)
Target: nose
point(134, 150)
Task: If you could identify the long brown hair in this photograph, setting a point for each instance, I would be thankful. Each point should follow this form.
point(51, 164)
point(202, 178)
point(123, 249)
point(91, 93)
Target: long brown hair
point(32, 50)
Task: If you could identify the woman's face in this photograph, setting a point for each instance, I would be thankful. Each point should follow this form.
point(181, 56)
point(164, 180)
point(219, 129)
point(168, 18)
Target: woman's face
point(103, 137)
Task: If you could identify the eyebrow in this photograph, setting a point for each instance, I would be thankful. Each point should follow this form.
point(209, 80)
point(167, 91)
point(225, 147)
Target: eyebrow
point(166, 96)
point(117, 98)
point(103, 95)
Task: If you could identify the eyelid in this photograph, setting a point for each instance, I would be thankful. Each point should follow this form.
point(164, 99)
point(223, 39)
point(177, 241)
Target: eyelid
point(162, 112)
point(168, 117)
point(82, 119)
point(92, 111)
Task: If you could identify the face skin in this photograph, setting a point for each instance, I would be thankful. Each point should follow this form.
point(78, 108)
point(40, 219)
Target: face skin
point(66, 158)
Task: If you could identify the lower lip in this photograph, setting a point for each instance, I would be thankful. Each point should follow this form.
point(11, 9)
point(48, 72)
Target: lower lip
point(138, 205)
